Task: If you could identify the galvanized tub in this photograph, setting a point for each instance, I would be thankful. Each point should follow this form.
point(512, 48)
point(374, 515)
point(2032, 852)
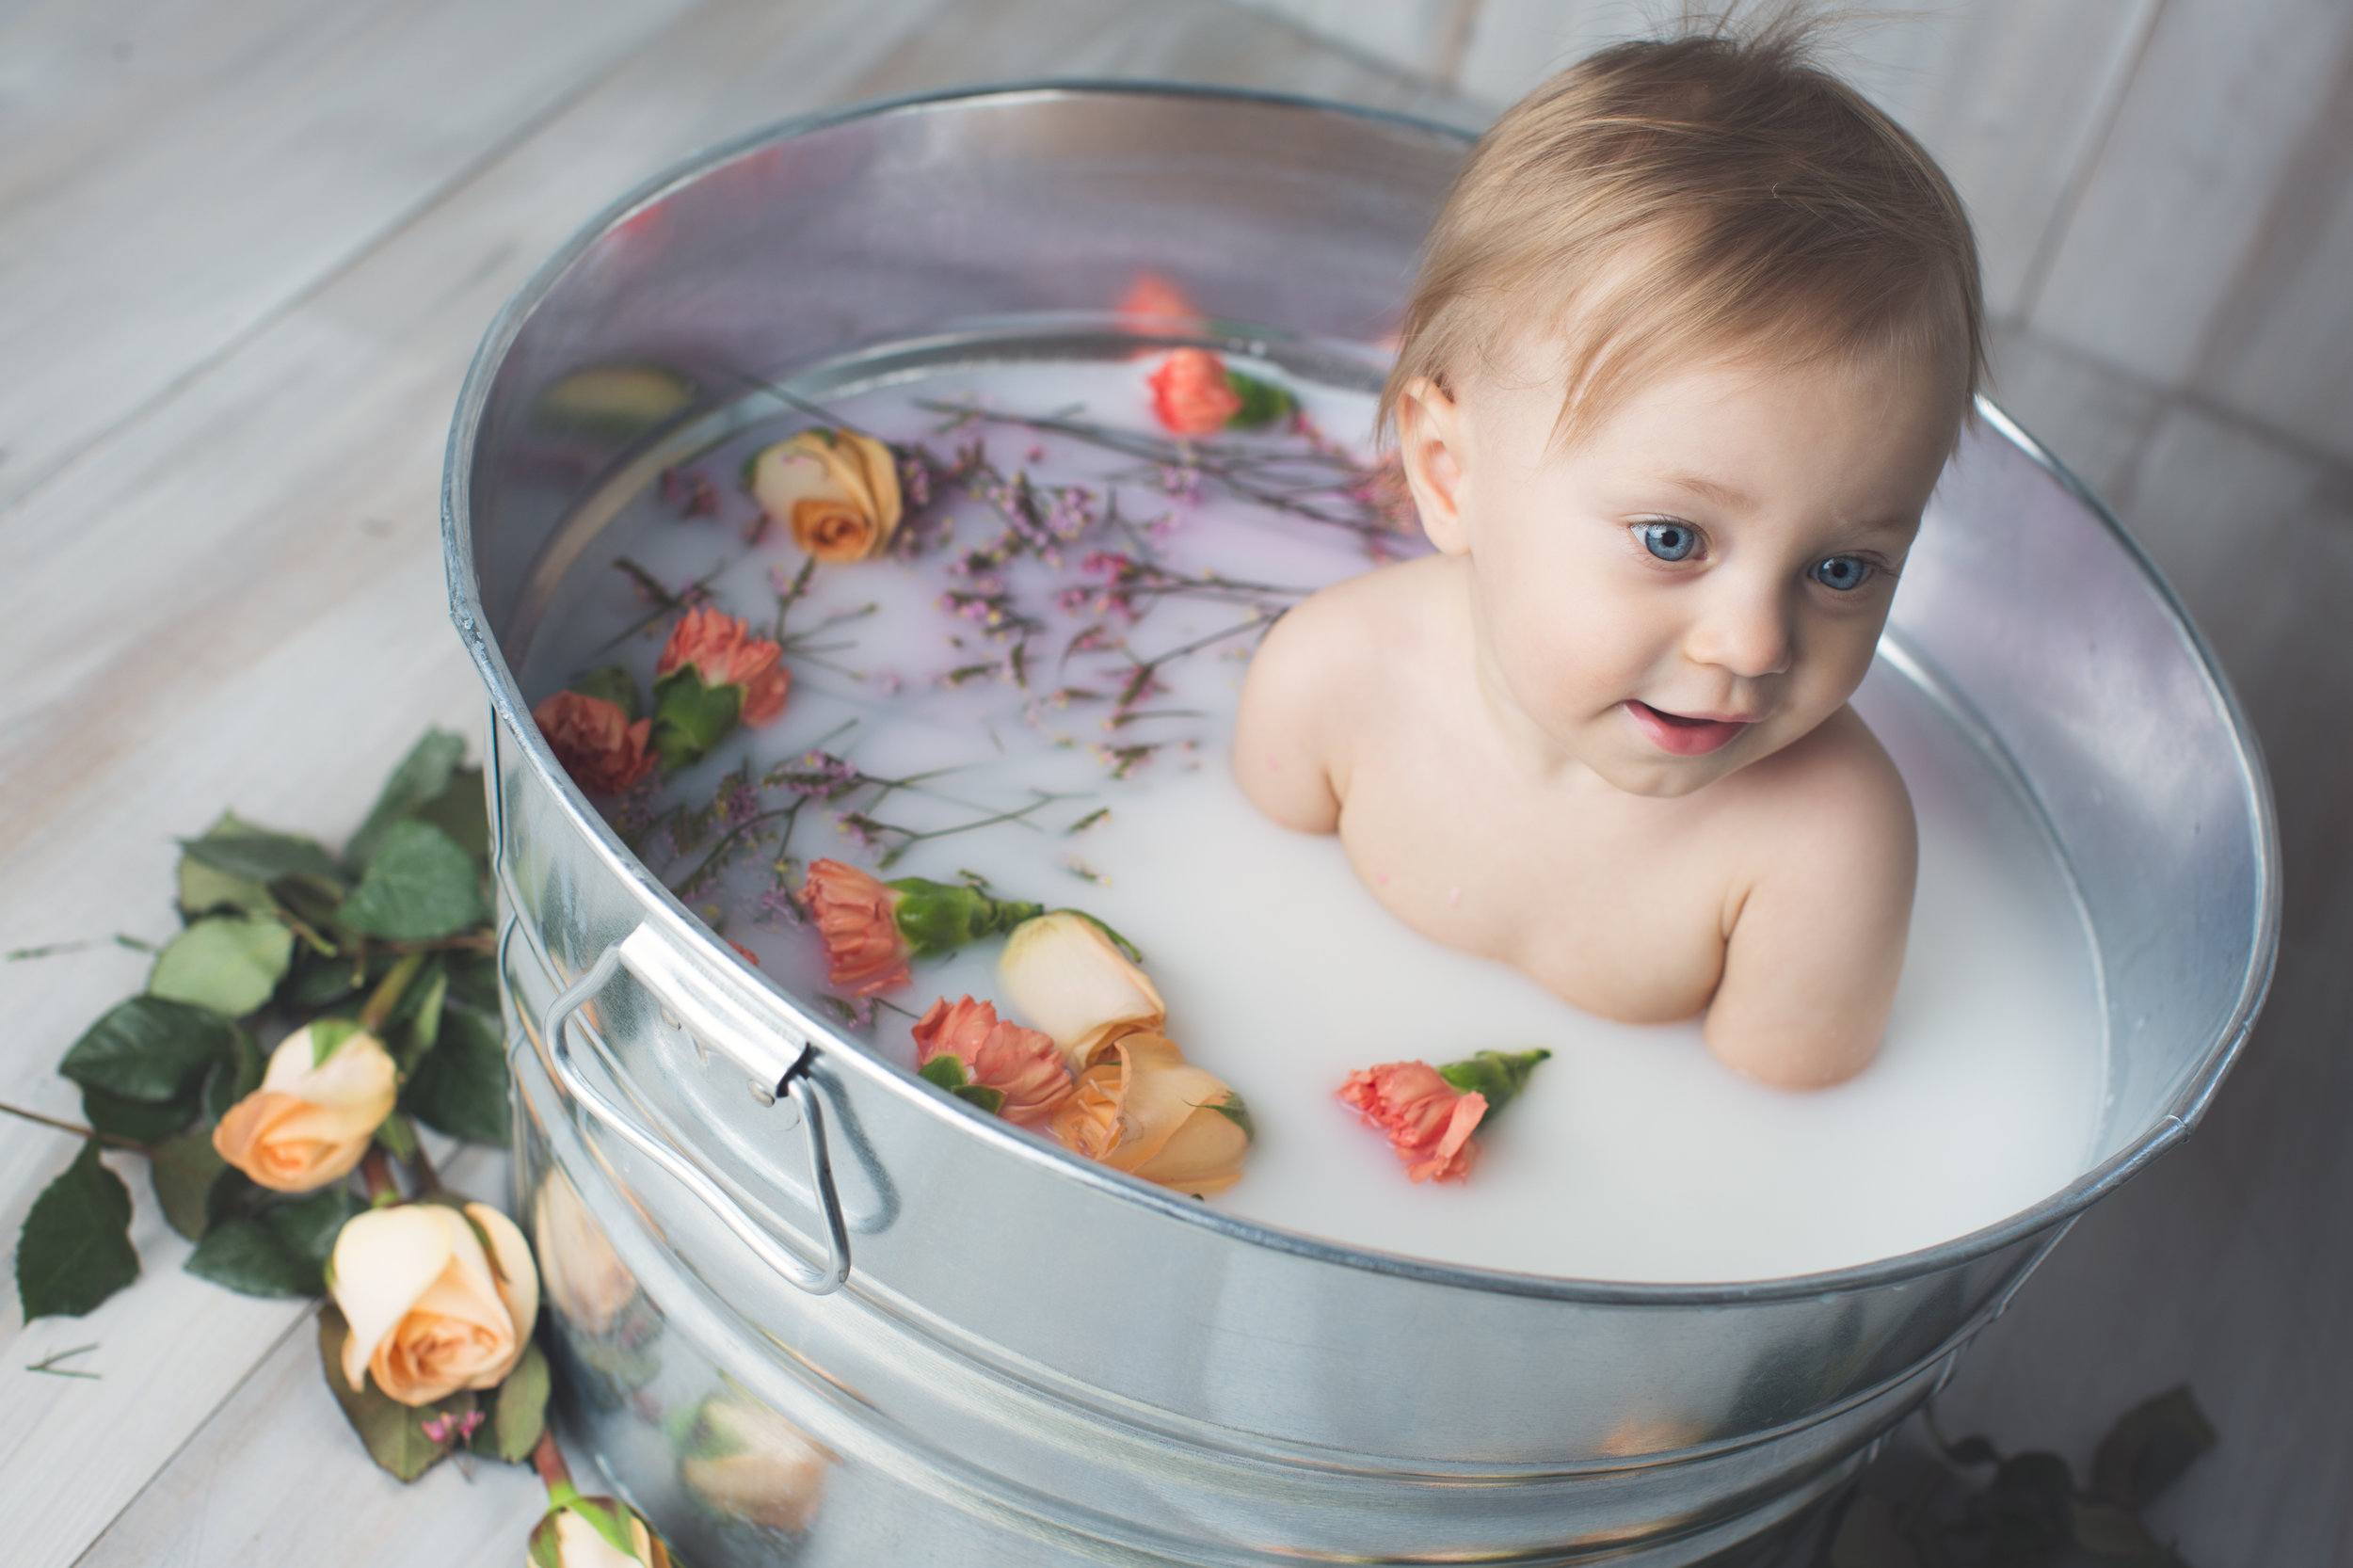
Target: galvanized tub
point(809, 1309)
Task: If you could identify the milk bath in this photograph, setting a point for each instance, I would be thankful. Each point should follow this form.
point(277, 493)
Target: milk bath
point(1632, 1156)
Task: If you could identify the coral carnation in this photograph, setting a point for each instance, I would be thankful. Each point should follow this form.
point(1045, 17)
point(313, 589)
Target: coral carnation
point(724, 653)
point(857, 917)
point(1428, 1120)
point(595, 741)
point(1020, 1063)
point(1191, 395)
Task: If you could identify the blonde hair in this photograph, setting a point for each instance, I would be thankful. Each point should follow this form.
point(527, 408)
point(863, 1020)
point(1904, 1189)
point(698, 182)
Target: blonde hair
point(1714, 193)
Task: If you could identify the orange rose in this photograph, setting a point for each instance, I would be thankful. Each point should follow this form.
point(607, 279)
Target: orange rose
point(1144, 1110)
point(1020, 1063)
point(856, 916)
point(1190, 393)
point(1063, 973)
point(595, 741)
point(311, 1120)
point(432, 1309)
point(1428, 1120)
point(836, 492)
point(724, 653)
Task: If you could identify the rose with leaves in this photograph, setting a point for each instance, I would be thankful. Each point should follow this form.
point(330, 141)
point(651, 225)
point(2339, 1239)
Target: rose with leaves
point(712, 675)
point(1430, 1113)
point(835, 491)
point(1142, 1108)
point(328, 1087)
point(1075, 980)
point(439, 1298)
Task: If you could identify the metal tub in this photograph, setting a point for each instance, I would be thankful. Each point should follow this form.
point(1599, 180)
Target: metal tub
point(961, 1347)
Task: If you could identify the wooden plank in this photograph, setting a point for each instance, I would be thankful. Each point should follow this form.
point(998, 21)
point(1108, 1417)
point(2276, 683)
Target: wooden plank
point(173, 174)
point(2225, 92)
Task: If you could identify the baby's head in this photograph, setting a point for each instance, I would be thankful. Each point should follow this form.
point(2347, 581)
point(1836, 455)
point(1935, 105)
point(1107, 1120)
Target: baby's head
point(1693, 336)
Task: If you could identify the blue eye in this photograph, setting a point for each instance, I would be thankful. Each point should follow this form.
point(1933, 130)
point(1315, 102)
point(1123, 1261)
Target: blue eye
point(1669, 541)
point(1842, 573)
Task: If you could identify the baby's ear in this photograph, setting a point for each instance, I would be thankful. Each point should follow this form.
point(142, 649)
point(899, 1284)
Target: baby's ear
point(1429, 444)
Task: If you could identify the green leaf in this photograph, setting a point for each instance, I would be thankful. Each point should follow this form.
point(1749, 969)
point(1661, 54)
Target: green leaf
point(415, 1024)
point(394, 1433)
point(257, 855)
point(398, 1134)
point(418, 886)
point(137, 1120)
point(1233, 1111)
point(462, 1086)
point(184, 1169)
point(988, 1099)
point(946, 1071)
point(75, 1250)
point(609, 684)
point(463, 812)
point(148, 1049)
point(1262, 402)
point(2148, 1448)
point(309, 1223)
point(422, 776)
point(229, 962)
point(520, 1413)
point(232, 1078)
point(318, 980)
point(204, 889)
point(941, 917)
point(242, 1253)
point(690, 718)
point(474, 979)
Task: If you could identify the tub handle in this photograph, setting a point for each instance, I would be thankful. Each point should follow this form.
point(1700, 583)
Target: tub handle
point(779, 1071)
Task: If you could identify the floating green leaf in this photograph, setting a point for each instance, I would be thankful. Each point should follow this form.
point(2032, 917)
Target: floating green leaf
point(461, 1086)
point(690, 718)
point(75, 1250)
point(184, 1169)
point(149, 1048)
point(1262, 402)
point(418, 886)
point(422, 776)
point(520, 1413)
point(1499, 1075)
point(229, 962)
point(394, 1433)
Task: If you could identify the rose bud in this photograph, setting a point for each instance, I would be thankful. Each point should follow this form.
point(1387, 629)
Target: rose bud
point(1063, 973)
point(873, 928)
point(749, 1462)
point(602, 743)
point(594, 1532)
point(835, 490)
point(712, 675)
point(1144, 1110)
point(328, 1088)
point(1015, 1072)
point(585, 1279)
point(1195, 394)
point(1430, 1113)
point(438, 1301)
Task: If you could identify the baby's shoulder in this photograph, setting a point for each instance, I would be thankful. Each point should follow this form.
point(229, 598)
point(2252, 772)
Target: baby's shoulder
point(1379, 620)
point(1833, 791)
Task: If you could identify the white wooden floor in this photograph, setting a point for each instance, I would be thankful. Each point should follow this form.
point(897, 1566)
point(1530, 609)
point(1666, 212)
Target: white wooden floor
point(246, 250)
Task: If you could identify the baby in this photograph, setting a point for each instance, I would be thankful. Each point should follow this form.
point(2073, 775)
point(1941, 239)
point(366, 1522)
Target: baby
point(1692, 340)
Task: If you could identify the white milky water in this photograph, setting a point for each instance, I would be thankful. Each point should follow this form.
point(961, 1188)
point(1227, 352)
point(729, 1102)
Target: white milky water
point(1633, 1156)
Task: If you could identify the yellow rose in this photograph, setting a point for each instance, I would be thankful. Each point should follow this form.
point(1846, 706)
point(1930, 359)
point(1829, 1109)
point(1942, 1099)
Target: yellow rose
point(751, 1463)
point(1144, 1110)
point(836, 492)
point(431, 1310)
point(567, 1537)
point(585, 1279)
point(309, 1121)
point(1064, 976)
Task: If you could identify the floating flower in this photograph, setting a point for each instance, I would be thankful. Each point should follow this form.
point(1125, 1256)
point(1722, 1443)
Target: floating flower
point(1152, 300)
point(712, 675)
point(1064, 972)
point(601, 745)
point(1430, 1113)
point(835, 490)
point(872, 928)
point(1194, 393)
point(746, 1461)
point(1016, 1072)
point(326, 1090)
point(1144, 1110)
point(437, 1300)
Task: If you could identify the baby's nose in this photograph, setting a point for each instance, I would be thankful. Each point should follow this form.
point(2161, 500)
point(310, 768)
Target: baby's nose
point(1744, 631)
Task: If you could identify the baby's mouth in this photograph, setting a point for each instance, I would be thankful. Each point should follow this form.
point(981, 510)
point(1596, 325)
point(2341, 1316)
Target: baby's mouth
point(1681, 735)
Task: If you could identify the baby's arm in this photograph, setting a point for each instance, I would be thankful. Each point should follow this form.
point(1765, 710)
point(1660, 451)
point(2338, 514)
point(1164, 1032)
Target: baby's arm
point(1291, 713)
point(1817, 943)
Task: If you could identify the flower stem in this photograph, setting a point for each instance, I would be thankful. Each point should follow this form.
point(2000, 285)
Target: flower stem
point(547, 1459)
point(420, 1166)
point(108, 1139)
point(388, 992)
point(376, 1169)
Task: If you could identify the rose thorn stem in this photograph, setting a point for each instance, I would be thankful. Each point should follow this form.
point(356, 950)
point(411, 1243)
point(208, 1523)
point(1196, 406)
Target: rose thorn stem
point(547, 1459)
point(376, 1169)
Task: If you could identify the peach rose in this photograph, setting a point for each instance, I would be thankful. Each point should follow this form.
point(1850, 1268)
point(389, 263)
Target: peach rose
point(1022, 1064)
point(584, 1278)
point(724, 653)
point(1065, 975)
point(1144, 1110)
point(594, 1532)
point(1428, 1120)
point(311, 1120)
point(835, 490)
point(749, 1462)
point(1190, 393)
point(432, 1309)
point(856, 916)
point(595, 741)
